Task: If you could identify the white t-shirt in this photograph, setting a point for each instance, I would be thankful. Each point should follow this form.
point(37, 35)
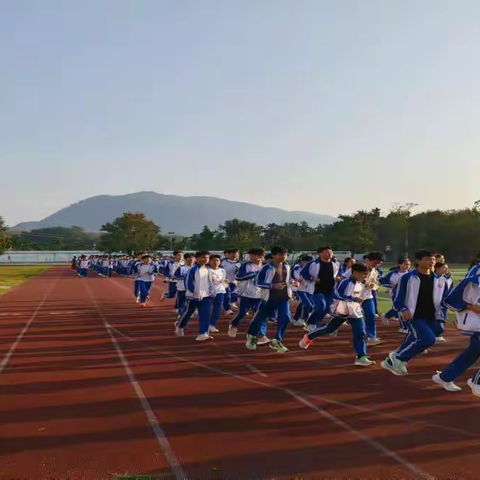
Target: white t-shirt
point(218, 277)
point(204, 287)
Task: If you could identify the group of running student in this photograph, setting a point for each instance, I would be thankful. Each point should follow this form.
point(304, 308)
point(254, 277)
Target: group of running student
point(329, 294)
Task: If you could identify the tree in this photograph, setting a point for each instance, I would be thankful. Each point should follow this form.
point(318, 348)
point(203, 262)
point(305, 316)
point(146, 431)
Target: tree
point(240, 233)
point(4, 237)
point(128, 233)
point(207, 239)
point(55, 238)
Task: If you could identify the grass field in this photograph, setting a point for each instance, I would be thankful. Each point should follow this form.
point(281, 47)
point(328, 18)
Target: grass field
point(384, 302)
point(12, 275)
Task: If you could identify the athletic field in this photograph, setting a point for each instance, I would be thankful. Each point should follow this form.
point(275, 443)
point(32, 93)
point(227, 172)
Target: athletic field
point(94, 387)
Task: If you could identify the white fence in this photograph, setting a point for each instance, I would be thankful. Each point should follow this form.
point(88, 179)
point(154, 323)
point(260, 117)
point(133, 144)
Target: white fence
point(61, 256)
point(64, 256)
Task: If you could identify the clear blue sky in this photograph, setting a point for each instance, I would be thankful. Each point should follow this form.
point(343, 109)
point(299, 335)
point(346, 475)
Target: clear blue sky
point(327, 106)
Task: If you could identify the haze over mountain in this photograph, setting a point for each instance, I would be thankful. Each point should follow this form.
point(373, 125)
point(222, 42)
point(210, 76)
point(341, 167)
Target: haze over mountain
point(172, 213)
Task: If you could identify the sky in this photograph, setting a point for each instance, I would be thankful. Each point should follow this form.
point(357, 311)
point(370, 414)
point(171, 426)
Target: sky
point(327, 106)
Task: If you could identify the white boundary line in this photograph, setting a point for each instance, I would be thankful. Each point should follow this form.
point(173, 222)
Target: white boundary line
point(370, 410)
point(298, 396)
point(172, 460)
point(20, 336)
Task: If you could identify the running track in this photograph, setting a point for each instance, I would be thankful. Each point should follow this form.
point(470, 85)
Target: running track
point(92, 386)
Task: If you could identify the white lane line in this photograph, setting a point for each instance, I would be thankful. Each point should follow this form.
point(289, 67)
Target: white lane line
point(298, 396)
point(373, 443)
point(248, 366)
point(371, 410)
point(153, 420)
point(254, 369)
point(20, 336)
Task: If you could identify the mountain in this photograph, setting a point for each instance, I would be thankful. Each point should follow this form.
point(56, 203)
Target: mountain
point(172, 213)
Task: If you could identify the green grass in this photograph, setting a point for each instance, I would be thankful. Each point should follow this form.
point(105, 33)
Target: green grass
point(11, 275)
point(385, 303)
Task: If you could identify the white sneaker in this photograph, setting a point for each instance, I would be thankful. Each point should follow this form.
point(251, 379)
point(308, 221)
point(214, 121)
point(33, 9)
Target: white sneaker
point(371, 342)
point(449, 386)
point(232, 331)
point(179, 332)
point(234, 306)
point(137, 300)
point(475, 388)
point(425, 352)
point(263, 340)
point(364, 362)
point(440, 339)
point(212, 329)
point(203, 337)
point(251, 342)
point(278, 346)
point(229, 312)
point(299, 323)
point(403, 331)
point(396, 366)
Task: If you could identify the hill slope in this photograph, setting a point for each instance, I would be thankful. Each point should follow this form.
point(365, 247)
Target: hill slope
point(182, 215)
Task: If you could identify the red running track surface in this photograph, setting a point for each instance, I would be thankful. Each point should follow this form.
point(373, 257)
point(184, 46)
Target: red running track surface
point(93, 386)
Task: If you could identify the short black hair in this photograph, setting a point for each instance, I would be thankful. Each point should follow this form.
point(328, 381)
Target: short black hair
point(322, 249)
point(358, 267)
point(439, 265)
point(423, 253)
point(215, 256)
point(187, 255)
point(268, 256)
point(306, 258)
point(202, 253)
point(256, 251)
point(231, 250)
point(145, 256)
point(374, 256)
point(402, 259)
point(176, 252)
point(278, 249)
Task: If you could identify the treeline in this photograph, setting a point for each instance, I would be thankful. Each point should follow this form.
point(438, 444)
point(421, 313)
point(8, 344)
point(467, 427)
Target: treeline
point(455, 233)
point(54, 238)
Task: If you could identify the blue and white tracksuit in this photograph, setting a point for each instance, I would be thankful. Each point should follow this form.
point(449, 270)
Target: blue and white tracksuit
point(198, 297)
point(264, 280)
point(180, 275)
point(83, 270)
point(466, 293)
point(475, 270)
point(132, 270)
point(390, 280)
point(219, 280)
point(145, 276)
point(422, 332)
point(105, 267)
point(169, 272)
point(305, 304)
point(231, 267)
point(369, 305)
point(346, 309)
point(248, 293)
point(321, 303)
